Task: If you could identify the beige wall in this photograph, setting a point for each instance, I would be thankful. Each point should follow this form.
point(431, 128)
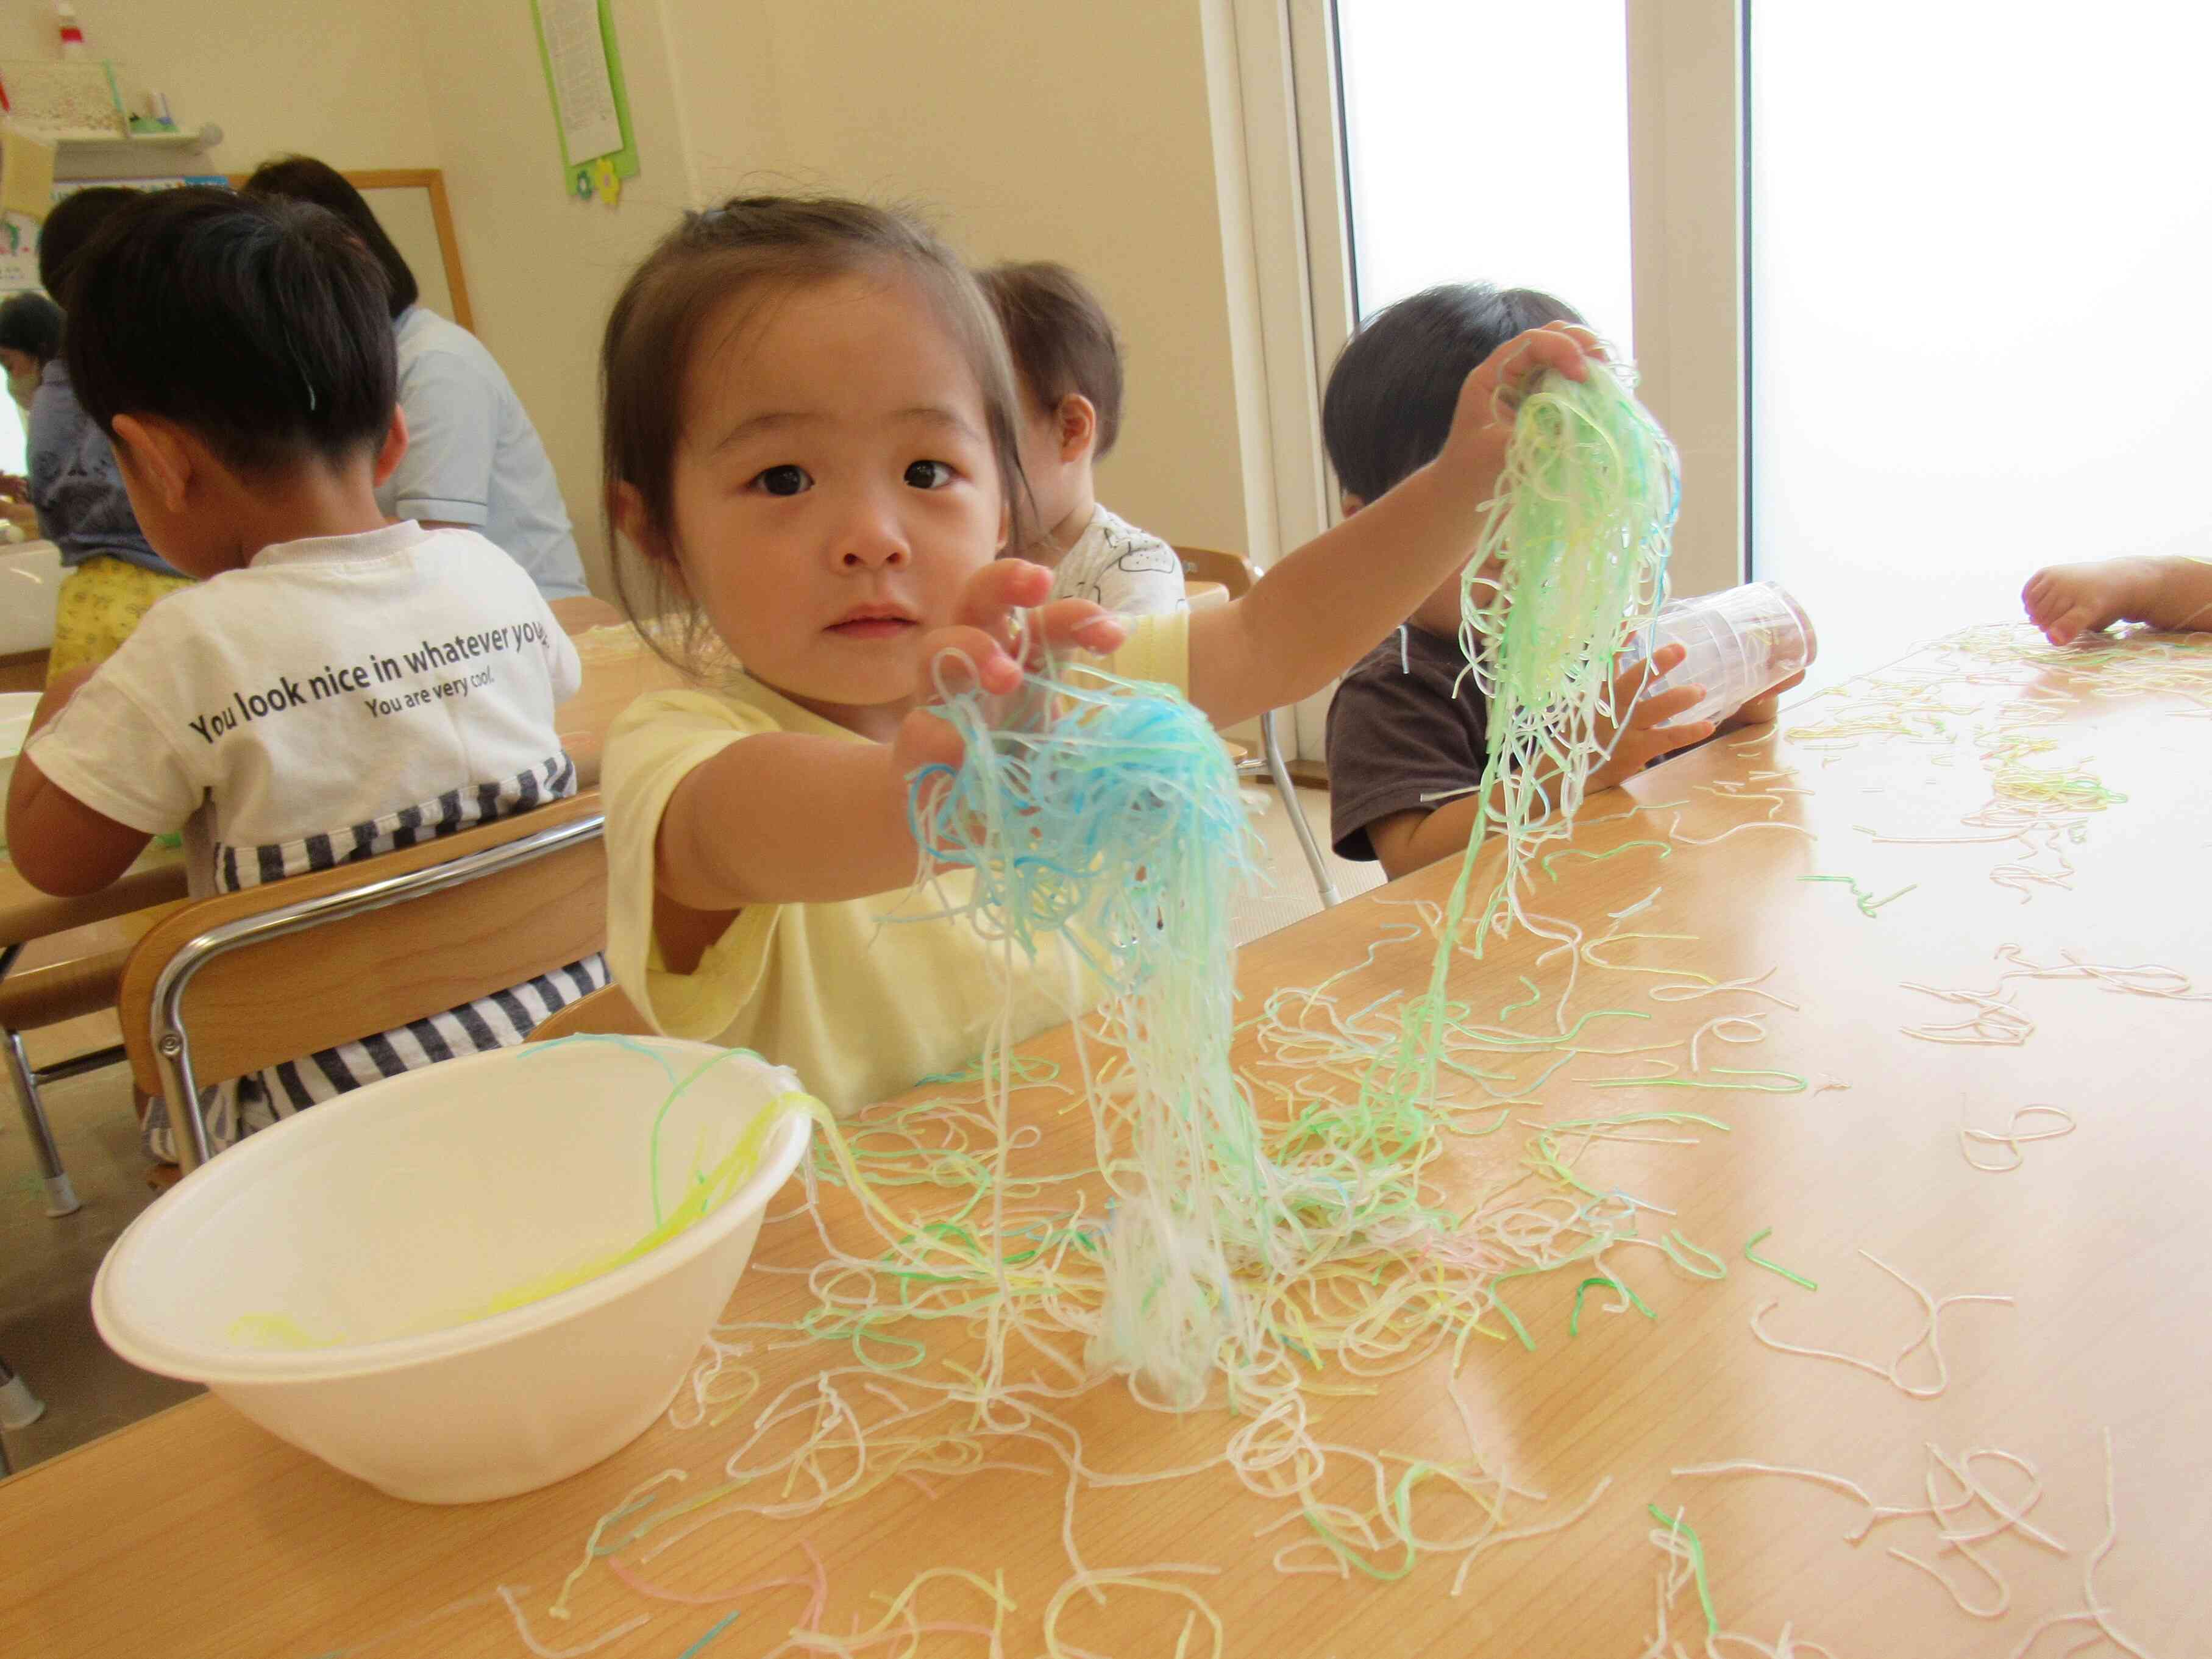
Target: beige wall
point(1688, 342)
point(347, 86)
point(1076, 133)
point(1022, 130)
point(542, 268)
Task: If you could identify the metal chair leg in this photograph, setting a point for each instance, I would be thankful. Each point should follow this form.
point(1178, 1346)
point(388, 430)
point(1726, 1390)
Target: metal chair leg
point(61, 1198)
point(1272, 746)
point(19, 1408)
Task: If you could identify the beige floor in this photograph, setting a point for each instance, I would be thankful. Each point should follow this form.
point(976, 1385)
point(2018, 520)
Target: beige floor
point(46, 1266)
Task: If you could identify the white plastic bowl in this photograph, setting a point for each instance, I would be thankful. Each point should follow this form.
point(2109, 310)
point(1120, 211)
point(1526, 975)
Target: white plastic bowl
point(30, 583)
point(373, 1220)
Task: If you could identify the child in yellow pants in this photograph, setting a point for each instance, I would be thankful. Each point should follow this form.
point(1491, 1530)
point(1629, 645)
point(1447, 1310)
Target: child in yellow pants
point(100, 602)
point(113, 573)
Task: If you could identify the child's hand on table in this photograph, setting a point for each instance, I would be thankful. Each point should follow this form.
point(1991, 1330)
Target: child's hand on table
point(1644, 736)
point(2168, 590)
point(977, 649)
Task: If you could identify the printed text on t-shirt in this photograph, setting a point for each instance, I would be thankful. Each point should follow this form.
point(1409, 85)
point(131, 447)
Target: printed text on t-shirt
point(289, 691)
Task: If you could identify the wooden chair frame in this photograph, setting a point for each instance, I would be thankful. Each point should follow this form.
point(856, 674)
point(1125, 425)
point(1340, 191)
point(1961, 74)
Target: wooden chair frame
point(607, 1013)
point(159, 980)
point(432, 181)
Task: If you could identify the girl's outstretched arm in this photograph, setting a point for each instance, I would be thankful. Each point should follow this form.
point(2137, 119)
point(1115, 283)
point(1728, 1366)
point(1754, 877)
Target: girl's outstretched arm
point(1325, 605)
point(790, 817)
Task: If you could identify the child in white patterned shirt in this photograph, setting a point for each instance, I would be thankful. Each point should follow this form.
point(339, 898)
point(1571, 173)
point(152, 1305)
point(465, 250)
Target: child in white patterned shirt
point(1068, 366)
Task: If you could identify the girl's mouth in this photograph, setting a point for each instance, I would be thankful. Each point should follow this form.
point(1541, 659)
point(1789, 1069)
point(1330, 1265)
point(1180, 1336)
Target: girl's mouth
point(872, 628)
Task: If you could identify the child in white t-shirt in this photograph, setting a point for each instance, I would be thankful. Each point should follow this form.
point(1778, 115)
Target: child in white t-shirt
point(1067, 366)
point(335, 685)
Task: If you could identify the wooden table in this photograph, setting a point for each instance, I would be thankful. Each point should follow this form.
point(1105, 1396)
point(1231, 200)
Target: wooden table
point(618, 669)
point(27, 913)
point(194, 1533)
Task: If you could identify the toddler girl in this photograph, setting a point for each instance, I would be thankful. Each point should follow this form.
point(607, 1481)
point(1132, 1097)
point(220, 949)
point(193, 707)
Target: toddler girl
point(810, 431)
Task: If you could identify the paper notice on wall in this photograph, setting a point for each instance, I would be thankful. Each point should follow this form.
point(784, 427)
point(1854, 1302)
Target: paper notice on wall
point(26, 174)
point(583, 92)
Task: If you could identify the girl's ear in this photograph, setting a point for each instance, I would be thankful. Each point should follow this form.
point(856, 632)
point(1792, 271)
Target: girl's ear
point(394, 446)
point(1005, 523)
point(1077, 421)
point(162, 453)
point(626, 505)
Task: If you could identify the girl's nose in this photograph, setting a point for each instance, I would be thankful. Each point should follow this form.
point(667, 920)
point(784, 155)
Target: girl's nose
point(872, 538)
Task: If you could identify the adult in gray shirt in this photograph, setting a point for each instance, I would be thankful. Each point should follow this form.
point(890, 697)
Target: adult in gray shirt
point(83, 507)
point(473, 459)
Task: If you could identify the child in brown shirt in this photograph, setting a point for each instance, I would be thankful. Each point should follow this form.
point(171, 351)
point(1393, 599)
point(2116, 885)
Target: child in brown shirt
point(1407, 729)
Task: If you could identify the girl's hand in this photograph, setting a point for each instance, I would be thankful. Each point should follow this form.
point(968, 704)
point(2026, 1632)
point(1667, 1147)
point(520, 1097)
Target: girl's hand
point(1645, 735)
point(1490, 397)
point(977, 650)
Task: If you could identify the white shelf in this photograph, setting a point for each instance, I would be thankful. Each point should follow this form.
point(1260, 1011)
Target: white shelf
point(137, 156)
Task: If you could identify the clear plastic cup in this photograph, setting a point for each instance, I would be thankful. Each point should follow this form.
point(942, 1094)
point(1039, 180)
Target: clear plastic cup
point(1741, 643)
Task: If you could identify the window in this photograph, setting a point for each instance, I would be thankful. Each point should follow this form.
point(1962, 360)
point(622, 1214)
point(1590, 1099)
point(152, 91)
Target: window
point(1469, 157)
point(1978, 246)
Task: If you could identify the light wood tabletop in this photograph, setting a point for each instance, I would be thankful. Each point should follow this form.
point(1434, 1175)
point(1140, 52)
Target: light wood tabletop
point(196, 1533)
point(27, 913)
point(619, 668)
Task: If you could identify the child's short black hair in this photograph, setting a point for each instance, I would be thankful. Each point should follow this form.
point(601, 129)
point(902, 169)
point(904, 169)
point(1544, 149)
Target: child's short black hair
point(30, 324)
point(303, 178)
point(260, 325)
point(75, 220)
point(1391, 396)
point(1062, 341)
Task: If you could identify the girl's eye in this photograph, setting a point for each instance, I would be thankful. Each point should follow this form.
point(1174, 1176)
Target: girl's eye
point(783, 480)
point(929, 475)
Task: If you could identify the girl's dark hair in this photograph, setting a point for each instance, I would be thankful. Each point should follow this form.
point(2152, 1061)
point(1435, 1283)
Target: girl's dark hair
point(303, 178)
point(1391, 396)
point(1062, 340)
point(761, 247)
point(75, 220)
point(258, 326)
point(30, 324)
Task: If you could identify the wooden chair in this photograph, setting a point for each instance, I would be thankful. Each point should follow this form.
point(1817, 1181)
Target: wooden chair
point(1237, 573)
point(47, 995)
point(602, 1013)
point(227, 986)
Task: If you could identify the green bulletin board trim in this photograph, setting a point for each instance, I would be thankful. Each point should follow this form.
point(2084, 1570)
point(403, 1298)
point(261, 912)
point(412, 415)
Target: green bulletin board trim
point(573, 173)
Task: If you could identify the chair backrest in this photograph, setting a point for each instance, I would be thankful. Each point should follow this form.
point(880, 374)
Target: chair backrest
point(232, 984)
point(1207, 564)
point(605, 1012)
